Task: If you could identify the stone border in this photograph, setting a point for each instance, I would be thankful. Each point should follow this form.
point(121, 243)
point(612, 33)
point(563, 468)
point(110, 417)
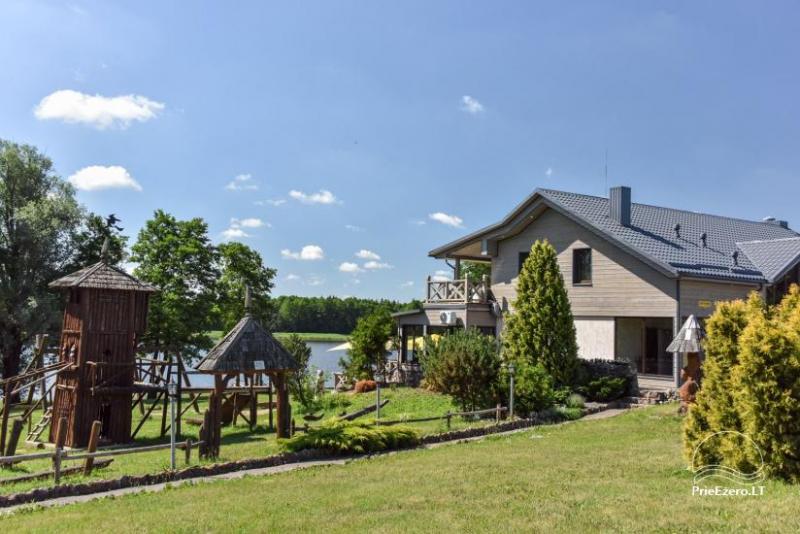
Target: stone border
point(128, 481)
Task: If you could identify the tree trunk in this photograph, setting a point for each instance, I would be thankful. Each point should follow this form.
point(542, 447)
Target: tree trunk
point(11, 361)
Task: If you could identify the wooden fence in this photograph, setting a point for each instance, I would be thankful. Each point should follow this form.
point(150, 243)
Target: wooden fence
point(60, 455)
point(498, 412)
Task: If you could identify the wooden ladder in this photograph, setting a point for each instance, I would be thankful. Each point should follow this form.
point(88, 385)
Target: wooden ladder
point(43, 423)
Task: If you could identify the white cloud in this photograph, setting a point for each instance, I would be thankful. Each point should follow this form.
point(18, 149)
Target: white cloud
point(441, 276)
point(450, 220)
point(353, 228)
point(407, 284)
point(374, 265)
point(323, 196)
point(99, 111)
point(235, 229)
point(292, 277)
point(242, 182)
point(234, 233)
point(419, 222)
point(314, 280)
point(549, 171)
point(471, 105)
point(251, 222)
point(97, 177)
point(307, 253)
point(365, 254)
point(349, 267)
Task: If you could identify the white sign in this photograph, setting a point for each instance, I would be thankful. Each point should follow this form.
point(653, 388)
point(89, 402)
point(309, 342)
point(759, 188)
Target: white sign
point(259, 365)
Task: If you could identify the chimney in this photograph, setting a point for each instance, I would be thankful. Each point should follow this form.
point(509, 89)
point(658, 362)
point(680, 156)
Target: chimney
point(619, 202)
point(776, 222)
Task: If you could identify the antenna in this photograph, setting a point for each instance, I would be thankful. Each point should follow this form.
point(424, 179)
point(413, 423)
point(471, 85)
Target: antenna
point(248, 300)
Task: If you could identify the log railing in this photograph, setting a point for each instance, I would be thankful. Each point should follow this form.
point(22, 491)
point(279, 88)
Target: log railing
point(457, 291)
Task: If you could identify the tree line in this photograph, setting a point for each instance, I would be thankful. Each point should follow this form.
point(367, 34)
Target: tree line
point(45, 233)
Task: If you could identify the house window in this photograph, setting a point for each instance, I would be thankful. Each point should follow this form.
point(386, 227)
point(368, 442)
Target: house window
point(522, 257)
point(582, 266)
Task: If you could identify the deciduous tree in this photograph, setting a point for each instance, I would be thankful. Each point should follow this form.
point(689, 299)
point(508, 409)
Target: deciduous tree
point(241, 266)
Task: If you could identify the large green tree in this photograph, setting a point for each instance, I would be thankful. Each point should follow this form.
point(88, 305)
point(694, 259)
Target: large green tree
point(240, 267)
point(177, 257)
point(93, 231)
point(541, 329)
point(38, 221)
point(368, 344)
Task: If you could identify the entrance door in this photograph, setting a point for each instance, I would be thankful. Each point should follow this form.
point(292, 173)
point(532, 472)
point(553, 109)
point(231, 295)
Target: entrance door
point(657, 361)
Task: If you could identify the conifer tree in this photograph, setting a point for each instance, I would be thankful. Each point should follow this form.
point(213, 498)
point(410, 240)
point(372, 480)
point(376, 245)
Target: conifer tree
point(541, 329)
point(714, 410)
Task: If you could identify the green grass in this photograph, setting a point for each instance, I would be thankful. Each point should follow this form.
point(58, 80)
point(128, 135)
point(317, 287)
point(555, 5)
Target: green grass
point(313, 336)
point(237, 441)
point(623, 474)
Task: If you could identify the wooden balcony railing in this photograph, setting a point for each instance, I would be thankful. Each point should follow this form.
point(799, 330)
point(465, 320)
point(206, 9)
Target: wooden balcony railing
point(457, 291)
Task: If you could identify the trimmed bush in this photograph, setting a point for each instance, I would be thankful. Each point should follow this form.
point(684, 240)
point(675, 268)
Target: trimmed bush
point(464, 364)
point(604, 388)
point(347, 437)
point(363, 386)
point(533, 388)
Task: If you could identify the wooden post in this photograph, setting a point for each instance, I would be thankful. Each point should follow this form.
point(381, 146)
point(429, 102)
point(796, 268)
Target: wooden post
point(253, 405)
point(188, 451)
point(61, 438)
point(448, 416)
point(282, 407)
point(497, 414)
point(16, 430)
point(94, 437)
point(9, 387)
point(271, 425)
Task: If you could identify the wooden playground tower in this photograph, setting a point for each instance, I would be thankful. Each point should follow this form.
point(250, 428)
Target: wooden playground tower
point(100, 374)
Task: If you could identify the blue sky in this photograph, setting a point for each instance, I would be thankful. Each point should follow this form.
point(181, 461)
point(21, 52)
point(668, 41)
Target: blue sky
point(378, 115)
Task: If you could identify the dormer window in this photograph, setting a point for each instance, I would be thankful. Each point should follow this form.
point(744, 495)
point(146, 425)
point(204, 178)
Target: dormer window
point(582, 267)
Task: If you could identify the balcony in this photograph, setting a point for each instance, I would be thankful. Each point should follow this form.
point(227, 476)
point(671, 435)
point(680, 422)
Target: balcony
point(457, 291)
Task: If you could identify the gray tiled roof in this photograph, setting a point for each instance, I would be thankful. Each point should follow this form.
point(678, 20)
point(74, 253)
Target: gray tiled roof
point(102, 276)
point(652, 233)
point(772, 257)
point(651, 237)
point(245, 345)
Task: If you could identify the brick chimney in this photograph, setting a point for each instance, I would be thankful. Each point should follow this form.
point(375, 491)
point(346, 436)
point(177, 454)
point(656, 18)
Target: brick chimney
point(619, 204)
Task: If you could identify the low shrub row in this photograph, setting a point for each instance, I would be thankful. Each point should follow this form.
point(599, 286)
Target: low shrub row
point(347, 437)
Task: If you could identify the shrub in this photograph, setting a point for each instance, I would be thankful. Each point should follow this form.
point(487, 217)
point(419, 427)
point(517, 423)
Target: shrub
point(561, 395)
point(533, 388)
point(363, 386)
point(604, 388)
point(751, 385)
point(368, 345)
point(575, 401)
point(542, 330)
point(714, 408)
point(301, 383)
point(464, 364)
point(347, 437)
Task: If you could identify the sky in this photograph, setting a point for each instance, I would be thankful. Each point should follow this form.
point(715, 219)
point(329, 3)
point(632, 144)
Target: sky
point(344, 140)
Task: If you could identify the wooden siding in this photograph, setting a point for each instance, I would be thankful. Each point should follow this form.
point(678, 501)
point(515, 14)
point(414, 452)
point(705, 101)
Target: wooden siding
point(622, 286)
point(478, 315)
point(700, 297)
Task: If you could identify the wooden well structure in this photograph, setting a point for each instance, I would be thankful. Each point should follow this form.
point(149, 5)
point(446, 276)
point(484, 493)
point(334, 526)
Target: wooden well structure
point(104, 319)
point(248, 349)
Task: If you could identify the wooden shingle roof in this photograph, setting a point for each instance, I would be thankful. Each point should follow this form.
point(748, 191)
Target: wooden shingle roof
point(102, 276)
point(248, 347)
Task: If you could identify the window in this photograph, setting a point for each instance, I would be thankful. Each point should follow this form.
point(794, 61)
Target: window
point(582, 266)
point(522, 257)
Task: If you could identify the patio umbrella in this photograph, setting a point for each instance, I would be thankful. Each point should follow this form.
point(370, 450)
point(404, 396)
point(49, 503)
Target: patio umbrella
point(689, 337)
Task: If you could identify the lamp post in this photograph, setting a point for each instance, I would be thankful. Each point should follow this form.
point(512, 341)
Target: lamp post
point(172, 390)
point(511, 370)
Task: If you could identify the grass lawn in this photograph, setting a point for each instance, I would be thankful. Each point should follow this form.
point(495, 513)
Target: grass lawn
point(237, 441)
point(622, 474)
